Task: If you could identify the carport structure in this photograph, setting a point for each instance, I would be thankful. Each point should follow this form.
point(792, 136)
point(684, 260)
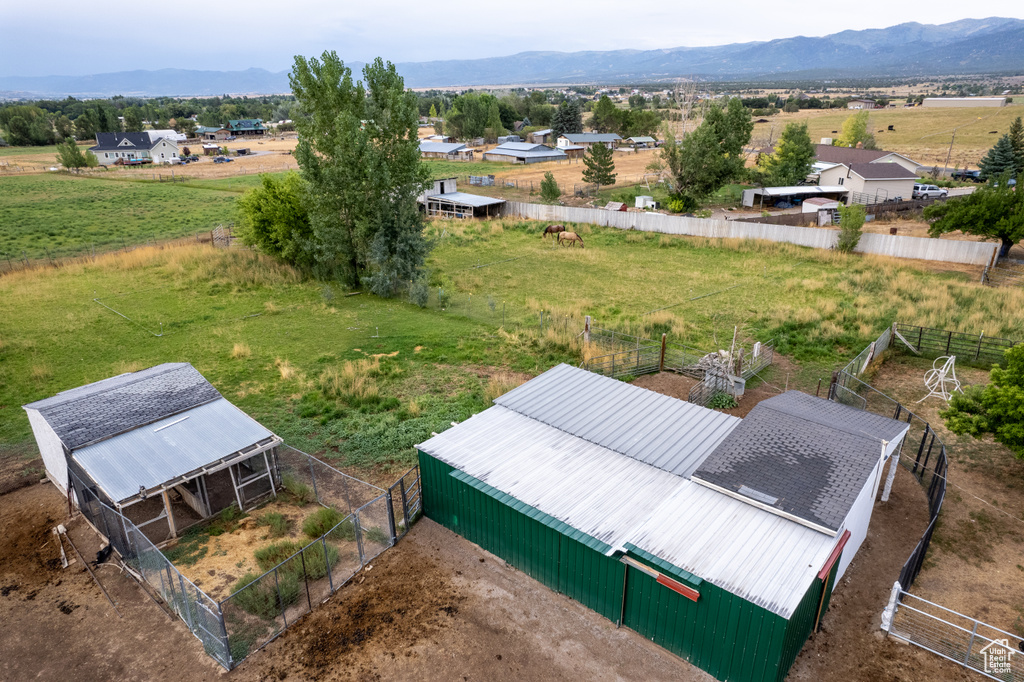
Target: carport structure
point(718, 538)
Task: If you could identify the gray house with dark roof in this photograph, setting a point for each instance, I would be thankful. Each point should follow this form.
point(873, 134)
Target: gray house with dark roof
point(160, 445)
point(125, 148)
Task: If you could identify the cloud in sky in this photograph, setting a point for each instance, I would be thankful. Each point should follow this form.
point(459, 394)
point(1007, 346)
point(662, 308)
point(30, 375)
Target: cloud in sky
point(72, 39)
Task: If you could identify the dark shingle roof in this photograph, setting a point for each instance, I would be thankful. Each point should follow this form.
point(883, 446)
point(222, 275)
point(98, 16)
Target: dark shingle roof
point(882, 171)
point(847, 155)
point(90, 413)
point(113, 142)
point(805, 456)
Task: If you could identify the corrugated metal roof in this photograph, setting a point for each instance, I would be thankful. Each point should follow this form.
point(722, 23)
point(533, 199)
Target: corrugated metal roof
point(521, 147)
point(801, 189)
point(667, 433)
point(464, 199)
point(593, 489)
point(803, 456)
point(591, 137)
point(542, 154)
point(754, 554)
point(105, 408)
point(152, 455)
point(440, 147)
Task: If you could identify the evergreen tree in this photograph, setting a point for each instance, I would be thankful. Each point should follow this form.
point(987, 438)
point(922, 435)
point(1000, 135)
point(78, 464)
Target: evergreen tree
point(433, 112)
point(794, 155)
point(1017, 142)
point(1000, 159)
point(568, 119)
point(600, 167)
point(549, 190)
point(494, 128)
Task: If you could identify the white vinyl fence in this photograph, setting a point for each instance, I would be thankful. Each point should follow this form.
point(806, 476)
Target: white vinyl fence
point(947, 250)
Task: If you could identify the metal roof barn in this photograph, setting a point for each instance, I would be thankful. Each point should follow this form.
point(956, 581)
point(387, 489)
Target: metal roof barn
point(587, 484)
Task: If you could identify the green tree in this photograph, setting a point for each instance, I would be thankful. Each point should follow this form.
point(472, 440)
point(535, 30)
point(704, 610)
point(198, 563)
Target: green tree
point(568, 119)
point(132, 120)
point(996, 408)
point(994, 210)
point(794, 155)
point(603, 116)
point(493, 129)
point(90, 159)
point(549, 190)
point(851, 220)
point(600, 167)
point(433, 112)
point(791, 107)
point(273, 218)
point(1000, 159)
point(70, 156)
point(63, 127)
point(359, 155)
point(855, 131)
point(188, 126)
point(637, 101)
point(1017, 142)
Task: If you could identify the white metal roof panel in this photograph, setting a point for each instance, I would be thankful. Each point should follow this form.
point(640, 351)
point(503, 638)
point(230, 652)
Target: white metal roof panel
point(440, 147)
point(591, 488)
point(759, 556)
point(802, 189)
point(667, 433)
point(154, 454)
point(475, 200)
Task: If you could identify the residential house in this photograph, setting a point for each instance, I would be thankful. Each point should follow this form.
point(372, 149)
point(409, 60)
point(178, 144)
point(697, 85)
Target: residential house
point(247, 127)
point(846, 155)
point(860, 104)
point(539, 136)
point(871, 183)
point(212, 133)
point(126, 148)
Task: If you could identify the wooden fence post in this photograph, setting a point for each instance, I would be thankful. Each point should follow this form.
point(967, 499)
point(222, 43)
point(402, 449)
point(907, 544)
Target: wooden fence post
point(661, 361)
point(586, 326)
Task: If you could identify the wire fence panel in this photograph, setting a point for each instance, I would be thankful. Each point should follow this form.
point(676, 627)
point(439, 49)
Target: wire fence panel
point(970, 348)
point(987, 650)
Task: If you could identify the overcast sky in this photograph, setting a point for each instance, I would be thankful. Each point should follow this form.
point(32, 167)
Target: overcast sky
point(61, 37)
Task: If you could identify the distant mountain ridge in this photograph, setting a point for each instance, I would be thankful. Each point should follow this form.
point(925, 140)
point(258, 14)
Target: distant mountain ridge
point(911, 49)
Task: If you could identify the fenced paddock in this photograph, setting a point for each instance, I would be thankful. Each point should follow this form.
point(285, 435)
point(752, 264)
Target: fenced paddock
point(946, 250)
point(372, 519)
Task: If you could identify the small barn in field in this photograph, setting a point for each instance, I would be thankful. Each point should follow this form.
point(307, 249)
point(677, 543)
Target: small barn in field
point(708, 534)
point(523, 152)
point(160, 445)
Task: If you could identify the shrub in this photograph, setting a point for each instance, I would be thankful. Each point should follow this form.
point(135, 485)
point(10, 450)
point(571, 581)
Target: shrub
point(301, 493)
point(261, 598)
point(316, 566)
point(313, 556)
point(851, 221)
point(271, 555)
point(418, 293)
point(226, 521)
point(321, 521)
point(722, 401)
point(276, 523)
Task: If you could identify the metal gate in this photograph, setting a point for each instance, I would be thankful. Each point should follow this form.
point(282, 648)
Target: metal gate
point(992, 652)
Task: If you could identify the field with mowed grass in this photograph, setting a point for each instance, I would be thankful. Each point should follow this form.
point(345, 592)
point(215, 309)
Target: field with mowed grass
point(65, 214)
point(361, 380)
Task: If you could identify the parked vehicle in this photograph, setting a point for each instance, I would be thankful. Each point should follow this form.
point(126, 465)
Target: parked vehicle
point(967, 175)
point(929, 192)
point(223, 159)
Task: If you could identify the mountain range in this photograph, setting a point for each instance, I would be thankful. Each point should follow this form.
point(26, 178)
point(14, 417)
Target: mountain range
point(968, 46)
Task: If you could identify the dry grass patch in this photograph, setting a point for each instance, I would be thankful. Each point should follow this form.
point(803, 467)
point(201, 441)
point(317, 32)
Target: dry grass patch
point(241, 351)
point(354, 381)
point(128, 366)
point(500, 383)
point(285, 368)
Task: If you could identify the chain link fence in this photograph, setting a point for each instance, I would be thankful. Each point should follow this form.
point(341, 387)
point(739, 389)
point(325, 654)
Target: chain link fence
point(371, 521)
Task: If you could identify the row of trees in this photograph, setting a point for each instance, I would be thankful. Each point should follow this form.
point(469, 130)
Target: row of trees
point(46, 122)
point(607, 118)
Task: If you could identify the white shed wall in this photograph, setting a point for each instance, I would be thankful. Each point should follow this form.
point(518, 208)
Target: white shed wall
point(51, 449)
point(859, 518)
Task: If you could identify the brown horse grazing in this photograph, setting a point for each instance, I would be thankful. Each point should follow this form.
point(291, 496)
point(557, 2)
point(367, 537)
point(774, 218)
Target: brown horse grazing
point(570, 238)
point(552, 229)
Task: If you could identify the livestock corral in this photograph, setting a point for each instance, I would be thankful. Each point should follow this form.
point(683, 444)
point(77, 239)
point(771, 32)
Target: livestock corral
point(361, 382)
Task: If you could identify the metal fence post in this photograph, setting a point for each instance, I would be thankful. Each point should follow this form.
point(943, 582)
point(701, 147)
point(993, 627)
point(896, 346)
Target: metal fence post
point(327, 563)
point(970, 644)
point(405, 504)
point(391, 516)
point(359, 538)
point(305, 577)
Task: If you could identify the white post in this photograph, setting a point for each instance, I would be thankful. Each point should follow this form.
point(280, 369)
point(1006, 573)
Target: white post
point(586, 329)
point(894, 462)
point(889, 612)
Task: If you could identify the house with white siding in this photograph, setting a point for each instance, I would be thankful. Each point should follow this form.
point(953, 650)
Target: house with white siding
point(871, 182)
point(125, 148)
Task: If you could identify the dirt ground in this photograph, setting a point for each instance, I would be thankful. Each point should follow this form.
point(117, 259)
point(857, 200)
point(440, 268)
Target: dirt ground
point(976, 563)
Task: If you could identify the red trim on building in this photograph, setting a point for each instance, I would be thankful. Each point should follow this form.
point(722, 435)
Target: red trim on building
point(834, 556)
point(688, 592)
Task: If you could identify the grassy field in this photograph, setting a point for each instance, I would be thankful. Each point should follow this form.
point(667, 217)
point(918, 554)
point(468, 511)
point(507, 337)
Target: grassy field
point(67, 214)
point(922, 134)
point(361, 380)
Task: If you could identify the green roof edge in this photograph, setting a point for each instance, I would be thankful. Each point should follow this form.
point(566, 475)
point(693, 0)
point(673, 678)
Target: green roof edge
point(664, 565)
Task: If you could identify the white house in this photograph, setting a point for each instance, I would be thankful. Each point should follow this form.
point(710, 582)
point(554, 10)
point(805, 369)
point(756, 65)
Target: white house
point(871, 183)
point(826, 153)
point(126, 148)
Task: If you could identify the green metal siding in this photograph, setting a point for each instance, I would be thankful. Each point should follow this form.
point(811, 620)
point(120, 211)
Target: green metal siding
point(721, 633)
point(727, 636)
point(805, 619)
point(535, 543)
